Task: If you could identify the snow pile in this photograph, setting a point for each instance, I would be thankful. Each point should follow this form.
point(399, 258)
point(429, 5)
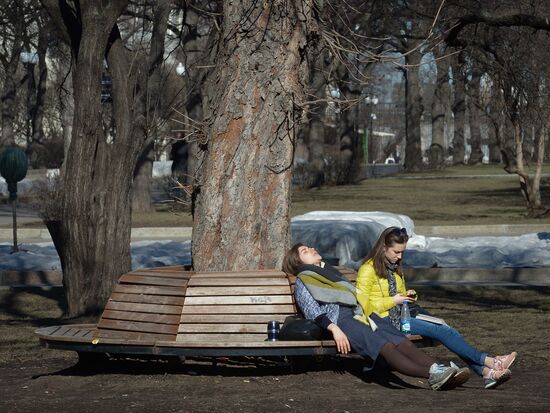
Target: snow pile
point(342, 237)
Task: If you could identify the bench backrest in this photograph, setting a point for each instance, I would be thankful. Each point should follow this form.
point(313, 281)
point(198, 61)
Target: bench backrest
point(176, 305)
point(234, 307)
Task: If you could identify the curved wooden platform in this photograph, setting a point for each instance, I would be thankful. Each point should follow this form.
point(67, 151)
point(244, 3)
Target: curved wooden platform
point(169, 311)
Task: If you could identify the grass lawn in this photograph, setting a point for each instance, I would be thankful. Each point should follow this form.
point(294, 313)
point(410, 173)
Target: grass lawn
point(484, 200)
point(489, 196)
point(492, 197)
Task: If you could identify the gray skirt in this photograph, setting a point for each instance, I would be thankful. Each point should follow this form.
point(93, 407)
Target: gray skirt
point(363, 340)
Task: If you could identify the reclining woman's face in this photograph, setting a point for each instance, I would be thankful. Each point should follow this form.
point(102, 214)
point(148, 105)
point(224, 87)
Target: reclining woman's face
point(309, 255)
point(395, 252)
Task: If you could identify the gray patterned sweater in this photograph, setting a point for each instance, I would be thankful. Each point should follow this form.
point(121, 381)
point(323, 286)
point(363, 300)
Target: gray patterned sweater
point(322, 313)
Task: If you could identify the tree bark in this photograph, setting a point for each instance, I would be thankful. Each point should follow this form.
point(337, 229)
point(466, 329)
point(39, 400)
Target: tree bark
point(440, 104)
point(241, 209)
point(9, 90)
point(459, 111)
point(413, 113)
point(476, 154)
point(37, 102)
point(143, 178)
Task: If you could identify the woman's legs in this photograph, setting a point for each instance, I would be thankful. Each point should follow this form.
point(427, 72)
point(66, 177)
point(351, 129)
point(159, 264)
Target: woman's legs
point(453, 340)
point(403, 363)
point(408, 349)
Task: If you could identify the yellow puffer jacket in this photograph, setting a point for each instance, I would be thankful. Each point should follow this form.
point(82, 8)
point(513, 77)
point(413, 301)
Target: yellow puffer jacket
point(377, 289)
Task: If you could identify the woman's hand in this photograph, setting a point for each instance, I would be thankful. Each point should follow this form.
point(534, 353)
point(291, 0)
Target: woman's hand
point(342, 342)
point(400, 299)
point(412, 295)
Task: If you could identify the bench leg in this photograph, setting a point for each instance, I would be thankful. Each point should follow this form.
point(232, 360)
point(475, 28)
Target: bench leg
point(91, 359)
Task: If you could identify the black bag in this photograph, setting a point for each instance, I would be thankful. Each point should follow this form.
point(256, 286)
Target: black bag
point(296, 328)
point(416, 309)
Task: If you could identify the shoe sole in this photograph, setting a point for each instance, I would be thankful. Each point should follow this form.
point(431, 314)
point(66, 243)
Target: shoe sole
point(441, 385)
point(502, 379)
point(511, 362)
point(461, 377)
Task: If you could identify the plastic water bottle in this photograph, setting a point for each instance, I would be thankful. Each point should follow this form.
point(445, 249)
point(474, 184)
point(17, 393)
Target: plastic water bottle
point(405, 319)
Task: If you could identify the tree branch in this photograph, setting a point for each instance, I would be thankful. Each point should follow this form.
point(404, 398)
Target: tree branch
point(525, 20)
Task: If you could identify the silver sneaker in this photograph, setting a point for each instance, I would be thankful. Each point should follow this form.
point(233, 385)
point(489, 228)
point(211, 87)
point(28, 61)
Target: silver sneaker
point(440, 377)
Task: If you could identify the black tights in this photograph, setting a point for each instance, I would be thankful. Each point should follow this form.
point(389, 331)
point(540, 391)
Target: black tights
point(406, 358)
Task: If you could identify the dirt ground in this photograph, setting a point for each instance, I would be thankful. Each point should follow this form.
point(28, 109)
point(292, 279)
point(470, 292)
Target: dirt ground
point(497, 320)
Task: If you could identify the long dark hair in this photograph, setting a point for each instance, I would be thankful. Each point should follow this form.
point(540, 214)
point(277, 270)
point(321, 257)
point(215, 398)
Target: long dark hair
point(292, 260)
point(388, 237)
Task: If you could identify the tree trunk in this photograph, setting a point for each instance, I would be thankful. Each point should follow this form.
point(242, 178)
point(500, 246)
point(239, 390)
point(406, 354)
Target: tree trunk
point(476, 154)
point(314, 131)
point(36, 108)
point(459, 110)
point(440, 104)
point(150, 105)
point(94, 233)
point(241, 210)
point(9, 92)
point(413, 114)
point(143, 178)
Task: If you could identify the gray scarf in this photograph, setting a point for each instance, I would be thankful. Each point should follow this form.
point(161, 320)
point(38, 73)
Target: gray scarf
point(395, 311)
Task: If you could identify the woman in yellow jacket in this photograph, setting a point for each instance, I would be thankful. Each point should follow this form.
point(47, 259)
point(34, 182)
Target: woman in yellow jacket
point(381, 279)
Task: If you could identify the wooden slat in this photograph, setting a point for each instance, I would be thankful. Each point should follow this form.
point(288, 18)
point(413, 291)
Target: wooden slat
point(184, 275)
point(143, 308)
point(211, 281)
point(61, 331)
point(221, 337)
point(250, 299)
point(231, 318)
point(48, 331)
point(240, 274)
point(140, 337)
point(247, 290)
point(207, 342)
point(89, 334)
point(240, 309)
point(82, 333)
point(138, 326)
point(56, 332)
point(133, 316)
point(148, 280)
point(144, 289)
point(223, 328)
point(147, 299)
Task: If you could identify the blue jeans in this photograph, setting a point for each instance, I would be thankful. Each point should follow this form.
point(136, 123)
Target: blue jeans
point(453, 340)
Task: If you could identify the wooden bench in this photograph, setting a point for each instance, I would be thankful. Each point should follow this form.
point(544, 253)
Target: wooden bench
point(173, 312)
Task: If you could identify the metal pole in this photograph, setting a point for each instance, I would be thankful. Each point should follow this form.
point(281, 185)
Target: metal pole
point(14, 221)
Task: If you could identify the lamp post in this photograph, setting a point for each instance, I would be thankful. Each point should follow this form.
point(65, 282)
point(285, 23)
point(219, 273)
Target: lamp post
point(370, 101)
point(29, 60)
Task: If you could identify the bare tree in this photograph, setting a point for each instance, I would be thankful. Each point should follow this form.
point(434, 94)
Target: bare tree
point(92, 235)
point(513, 54)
